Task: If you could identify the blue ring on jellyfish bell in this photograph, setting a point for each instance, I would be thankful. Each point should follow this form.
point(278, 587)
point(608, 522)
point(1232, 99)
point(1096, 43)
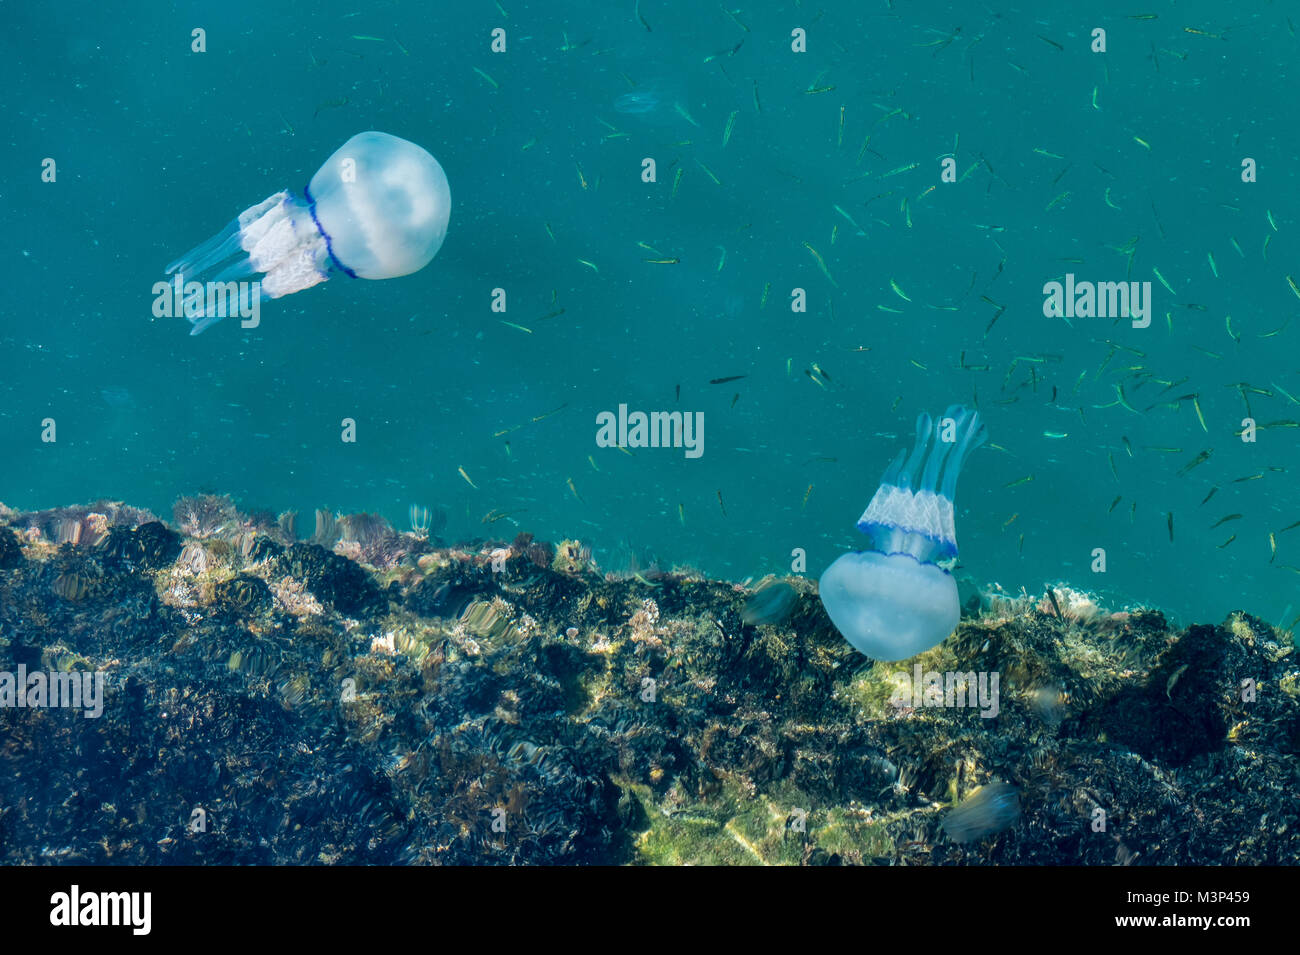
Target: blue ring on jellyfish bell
point(329, 243)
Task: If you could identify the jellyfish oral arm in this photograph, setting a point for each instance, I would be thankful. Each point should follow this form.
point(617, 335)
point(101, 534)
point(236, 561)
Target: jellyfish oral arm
point(278, 236)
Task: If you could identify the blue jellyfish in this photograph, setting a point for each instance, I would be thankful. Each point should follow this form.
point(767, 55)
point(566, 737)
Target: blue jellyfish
point(376, 209)
point(647, 99)
point(896, 600)
point(644, 100)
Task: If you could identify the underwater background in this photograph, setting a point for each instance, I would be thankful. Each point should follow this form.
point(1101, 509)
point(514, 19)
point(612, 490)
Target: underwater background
point(776, 170)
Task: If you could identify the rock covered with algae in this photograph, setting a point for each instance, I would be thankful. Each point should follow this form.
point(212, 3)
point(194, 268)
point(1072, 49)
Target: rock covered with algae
point(368, 696)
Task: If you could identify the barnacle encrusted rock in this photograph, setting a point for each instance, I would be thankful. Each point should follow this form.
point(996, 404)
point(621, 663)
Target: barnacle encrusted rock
point(506, 702)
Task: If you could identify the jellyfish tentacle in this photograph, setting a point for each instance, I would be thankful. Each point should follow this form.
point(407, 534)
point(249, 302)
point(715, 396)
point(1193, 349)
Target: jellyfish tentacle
point(913, 466)
point(914, 515)
point(207, 254)
point(938, 455)
point(973, 434)
point(895, 467)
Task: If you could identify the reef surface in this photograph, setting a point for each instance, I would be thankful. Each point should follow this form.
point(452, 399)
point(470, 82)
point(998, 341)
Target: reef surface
point(372, 697)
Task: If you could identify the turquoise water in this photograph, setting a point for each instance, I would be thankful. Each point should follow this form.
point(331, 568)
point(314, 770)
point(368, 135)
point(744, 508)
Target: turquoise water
point(1064, 157)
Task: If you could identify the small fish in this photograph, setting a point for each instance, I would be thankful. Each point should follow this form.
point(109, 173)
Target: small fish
point(723, 381)
point(590, 265)
point(681, 513)
point(1197, 405)
point(806, 495)
point(1024, 480)
point(731, 122)
point(592, 462)
point(467, 480)
point(849, 218)
point(708, 172)
point(1199, 459)
point(513, 325)
point(822, 264)
point(1118, 498)
point(734, 399)
point(330, 104)
point(900, 169)
point(495, 84)
point(1162, 281)
point(1169, 517)
point(1224, 520)
point(1211, 494)
point(1059, 199)
point(720, 504)
point(575, 490)
point(681, 111)
point(1010, 520)
point(1272, 546)
point(1228, 541)
point(543, 417)
point(898, 291)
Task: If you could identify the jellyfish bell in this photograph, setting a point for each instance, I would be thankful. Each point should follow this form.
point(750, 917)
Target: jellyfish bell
point(898, 599)
point(377, 209)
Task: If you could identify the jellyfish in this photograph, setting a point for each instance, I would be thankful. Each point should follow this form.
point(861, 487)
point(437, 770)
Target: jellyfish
point(376, 209)
point(897, 599)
